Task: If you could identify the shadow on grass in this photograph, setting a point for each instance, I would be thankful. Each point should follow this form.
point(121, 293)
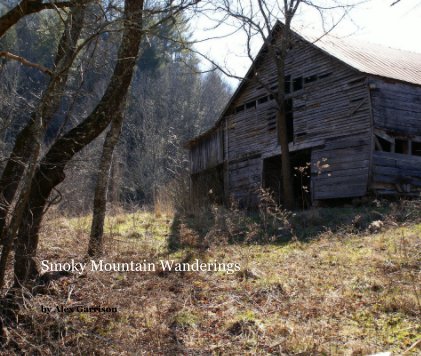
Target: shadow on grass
point(217, 224)
point(189, 231)
point(312, 223)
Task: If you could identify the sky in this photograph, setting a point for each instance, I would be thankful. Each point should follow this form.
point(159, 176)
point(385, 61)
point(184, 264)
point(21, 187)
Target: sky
point(374, 21)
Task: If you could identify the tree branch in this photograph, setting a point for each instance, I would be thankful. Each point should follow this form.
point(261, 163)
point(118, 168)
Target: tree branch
point(27, 7)
point(25, 62)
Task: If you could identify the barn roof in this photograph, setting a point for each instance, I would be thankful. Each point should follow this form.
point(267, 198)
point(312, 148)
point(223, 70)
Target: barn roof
point(374, 59)
point(369, 58)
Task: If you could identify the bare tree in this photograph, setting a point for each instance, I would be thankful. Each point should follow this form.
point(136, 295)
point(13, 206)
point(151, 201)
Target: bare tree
point(175, 116)
point(96, 240)
point(51, 169)
point(22, 162)
point(40, 180)
point(31, 135)
point(50, 172)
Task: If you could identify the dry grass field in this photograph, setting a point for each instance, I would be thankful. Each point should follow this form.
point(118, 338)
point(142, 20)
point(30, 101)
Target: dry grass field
point(321, 282)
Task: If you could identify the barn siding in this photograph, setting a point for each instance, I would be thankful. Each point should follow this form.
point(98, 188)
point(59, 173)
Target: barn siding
point(208, 153)
point(347, 159)
point(244, 180)
point(396, 106)
point(396, 114)
point(335, 105)
point(393, 172)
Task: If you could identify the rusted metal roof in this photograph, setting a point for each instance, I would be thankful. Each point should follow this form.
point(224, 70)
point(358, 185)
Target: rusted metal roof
point(374, 59)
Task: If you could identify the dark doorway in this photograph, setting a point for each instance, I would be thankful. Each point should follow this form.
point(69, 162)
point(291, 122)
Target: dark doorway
point(208, 185)
point(301, 171)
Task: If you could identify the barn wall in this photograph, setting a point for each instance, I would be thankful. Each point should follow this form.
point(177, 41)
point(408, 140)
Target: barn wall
point(335, 104)
point(340, 169)
point(396, 106)
point(208, 153)
point(396, 173)
point(397, 117)
point(245, 176)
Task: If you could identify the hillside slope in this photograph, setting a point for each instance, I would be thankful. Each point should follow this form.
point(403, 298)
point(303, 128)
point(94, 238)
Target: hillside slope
point(335, 288)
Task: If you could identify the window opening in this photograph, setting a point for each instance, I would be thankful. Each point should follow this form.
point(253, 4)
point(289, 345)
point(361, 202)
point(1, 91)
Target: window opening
point(297, 83)
point(401, 146)
point(416, 148)
point(322, 76)
point(383, 145)
point(251, 105)
point(262, 100)
point(310, 79)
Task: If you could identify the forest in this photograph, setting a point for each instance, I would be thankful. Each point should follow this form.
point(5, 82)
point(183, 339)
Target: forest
point(104, 248)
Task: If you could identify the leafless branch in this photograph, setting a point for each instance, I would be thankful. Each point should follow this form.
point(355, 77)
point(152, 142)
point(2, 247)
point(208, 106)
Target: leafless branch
point(27, 7)
point(25, 62)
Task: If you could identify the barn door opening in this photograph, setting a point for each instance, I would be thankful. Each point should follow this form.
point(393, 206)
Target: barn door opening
point(272, 177)
point(208, 185)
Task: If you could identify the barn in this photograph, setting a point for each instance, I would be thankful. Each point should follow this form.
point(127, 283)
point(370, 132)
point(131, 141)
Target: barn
point(354, 124)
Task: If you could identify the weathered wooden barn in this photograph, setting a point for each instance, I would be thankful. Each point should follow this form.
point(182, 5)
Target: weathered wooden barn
point(354, 116)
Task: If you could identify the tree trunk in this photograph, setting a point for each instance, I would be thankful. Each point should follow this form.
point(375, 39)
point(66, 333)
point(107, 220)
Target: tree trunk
point(27, 139)
point(13, 172)
point(21, 203)
point(44, 181)
point(287, 184)
point(51, 170)
point(96, 241)
point(22, 164)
